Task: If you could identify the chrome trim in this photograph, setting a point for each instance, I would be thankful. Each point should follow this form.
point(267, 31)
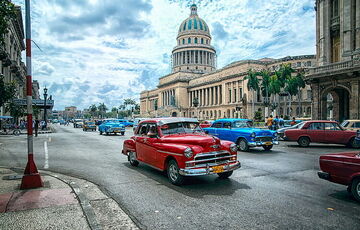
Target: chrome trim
point(209, 159)
point(209, 164)
point(260, 143)
point(208, 170)
point(211, 153)
point(341, 162)
point(176, 154)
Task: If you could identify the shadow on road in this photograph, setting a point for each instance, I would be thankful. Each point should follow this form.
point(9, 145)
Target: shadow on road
point(321, 146)
point(343, 196)
point(196, 187)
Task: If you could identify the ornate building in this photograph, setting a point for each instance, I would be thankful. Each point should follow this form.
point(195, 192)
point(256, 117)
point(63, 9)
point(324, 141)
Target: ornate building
point(335, 81)
point(195, 88)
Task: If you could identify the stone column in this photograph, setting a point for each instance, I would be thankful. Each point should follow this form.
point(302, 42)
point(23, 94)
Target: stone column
point(357, 25)
point(354, 100)
point(346, 31)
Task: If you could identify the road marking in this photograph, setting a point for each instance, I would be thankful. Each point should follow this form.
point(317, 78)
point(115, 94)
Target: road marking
point(49, 139)
point(46, 166)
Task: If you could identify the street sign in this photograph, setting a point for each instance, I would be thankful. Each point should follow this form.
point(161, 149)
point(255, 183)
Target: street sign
point(38, 102)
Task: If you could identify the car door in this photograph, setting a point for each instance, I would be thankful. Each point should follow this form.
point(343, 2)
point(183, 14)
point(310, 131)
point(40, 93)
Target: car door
point(333, 133)
point(223, 132)
point(140, 139)
point(316, 132)
point(150, 153)
point(213, 130)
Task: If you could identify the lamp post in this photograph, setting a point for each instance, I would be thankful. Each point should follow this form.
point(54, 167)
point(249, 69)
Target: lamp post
point(45, 97)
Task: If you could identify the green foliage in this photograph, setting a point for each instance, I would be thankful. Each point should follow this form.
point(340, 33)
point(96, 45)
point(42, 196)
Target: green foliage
point(15, 110)
point(253, 81)
point(7, 13)
point(7, 91)
point(258, 116)
point(36, 111)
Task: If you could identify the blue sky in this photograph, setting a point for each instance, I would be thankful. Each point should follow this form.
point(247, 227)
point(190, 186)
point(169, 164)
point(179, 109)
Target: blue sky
point(96, 51)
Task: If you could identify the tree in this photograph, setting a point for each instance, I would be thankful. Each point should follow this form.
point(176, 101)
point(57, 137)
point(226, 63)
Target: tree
point(285, 79)
point(7, 13)
point(102, 109)
point(274, 89)
point(265, 85)
point(93, 110)
point(253, 85)
point(301, 84)
point(15, 110)
point(7, 91)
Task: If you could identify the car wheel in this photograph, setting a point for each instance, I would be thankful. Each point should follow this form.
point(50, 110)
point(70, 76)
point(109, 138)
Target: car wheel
point(355, 188)
point(16, 132)
point(132, 159)
point(173, 173)
point(304, 141)
point(101, 132)
point(243, 145)
point(106, 133)
point(354, 144)
point(225, 175)
point(267, 147)
point(123, 133)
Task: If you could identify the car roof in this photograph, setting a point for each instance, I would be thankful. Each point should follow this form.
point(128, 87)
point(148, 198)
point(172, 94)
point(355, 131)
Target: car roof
point(353, 120)
point(168, 120)
point(321, 121)
point(231, 120)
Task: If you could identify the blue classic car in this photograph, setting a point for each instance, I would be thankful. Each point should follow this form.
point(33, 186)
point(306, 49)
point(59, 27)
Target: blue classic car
point(126, 122)
point(243, 134)
point(112, 126)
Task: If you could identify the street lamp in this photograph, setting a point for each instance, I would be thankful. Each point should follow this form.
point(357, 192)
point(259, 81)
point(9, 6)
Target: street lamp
point(45, 97)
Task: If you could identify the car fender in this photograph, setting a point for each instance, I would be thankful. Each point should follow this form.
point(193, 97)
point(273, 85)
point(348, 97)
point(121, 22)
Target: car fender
point(303, 135)
point(351, 137)
point(355, 175)
point(129, 146)
point(175, 151)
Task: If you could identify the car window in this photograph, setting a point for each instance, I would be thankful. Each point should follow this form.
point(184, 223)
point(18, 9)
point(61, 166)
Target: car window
point(227, 125)
point(345, 123)
point(331, 126)
point(152, 130)
point(142, 130)
point(242, 124)
point(217, 125)
point(316, 126)
point(356, 125)
point(181, 127)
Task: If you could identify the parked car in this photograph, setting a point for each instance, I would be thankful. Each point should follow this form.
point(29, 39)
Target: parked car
point(358, 136)
point(351, 124)
point(281, 131)
point(328, 132)
point(137, 121)
point(62, 122)
point(111, 126)
point(126, 122)
point(180, 147)
point(89, 125)
point(206, 124)
point(78, 123)
point(342, 168)
point(242, 132)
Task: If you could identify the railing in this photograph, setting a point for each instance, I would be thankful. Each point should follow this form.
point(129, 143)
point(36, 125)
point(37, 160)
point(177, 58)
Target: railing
point(334, 67)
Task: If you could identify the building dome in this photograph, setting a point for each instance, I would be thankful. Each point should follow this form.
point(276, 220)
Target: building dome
point(194, 51)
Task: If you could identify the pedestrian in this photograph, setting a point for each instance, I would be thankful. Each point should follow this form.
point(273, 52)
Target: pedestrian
point(36, 127)
point(281, 121)
point(275, 123)
point(293, 122)
point(269, 122)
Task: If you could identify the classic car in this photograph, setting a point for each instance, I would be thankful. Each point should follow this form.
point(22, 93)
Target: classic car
point(206, 124)
point(111, 126)
point(281, 131)
point(329, 132)
point(287, 123)
point(137, 121)
point(126, 122)
point(78, 123)
point(358, 136)
point(180, 147)
point(243, 133)
point(351, 124)
point(342, 168)
point(89, 125)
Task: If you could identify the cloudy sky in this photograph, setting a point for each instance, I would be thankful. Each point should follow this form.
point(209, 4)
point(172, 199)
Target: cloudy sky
point(95, 51)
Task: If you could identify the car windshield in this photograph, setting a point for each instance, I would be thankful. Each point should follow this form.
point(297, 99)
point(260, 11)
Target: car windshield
point(181, 127)
point(299, 126)
point(243, 124)
point(345, 123)
point(91, 123)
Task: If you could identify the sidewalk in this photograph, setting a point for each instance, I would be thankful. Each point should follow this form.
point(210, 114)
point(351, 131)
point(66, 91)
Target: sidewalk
point(63, 203)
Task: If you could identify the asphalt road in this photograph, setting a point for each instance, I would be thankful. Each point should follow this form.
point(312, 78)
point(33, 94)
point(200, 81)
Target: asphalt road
point(273, 190)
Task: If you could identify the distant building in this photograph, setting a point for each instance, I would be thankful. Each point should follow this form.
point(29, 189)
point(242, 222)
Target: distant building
point(335, 81)
point(35, 90)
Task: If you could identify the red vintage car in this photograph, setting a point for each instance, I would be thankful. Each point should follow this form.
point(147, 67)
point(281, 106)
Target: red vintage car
point(329, 132)
point(342, 168)
point(205, 124)
point(180, 147)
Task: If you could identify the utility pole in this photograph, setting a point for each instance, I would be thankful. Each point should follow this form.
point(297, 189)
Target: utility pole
point(31, 178)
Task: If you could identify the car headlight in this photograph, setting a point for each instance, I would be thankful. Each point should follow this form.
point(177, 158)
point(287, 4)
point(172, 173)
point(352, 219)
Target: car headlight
point(253, 135)
point(188, 152)
point(233, 148)
point(275, 134)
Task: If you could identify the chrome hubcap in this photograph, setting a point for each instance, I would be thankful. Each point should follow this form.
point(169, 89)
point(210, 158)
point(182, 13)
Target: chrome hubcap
point(132, 156)
point(242, 145)
point(173, 172)
point(358, 189)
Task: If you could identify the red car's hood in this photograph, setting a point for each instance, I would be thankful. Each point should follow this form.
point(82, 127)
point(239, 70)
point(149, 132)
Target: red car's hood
point(192, 139)
point(341, 155)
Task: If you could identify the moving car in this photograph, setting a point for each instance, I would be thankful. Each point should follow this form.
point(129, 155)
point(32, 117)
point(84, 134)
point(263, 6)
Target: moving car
point(342, 168)
point(180, 147)
point(89, 125)
point(109, 126)
point(351, 124)
point(243, 134)
point(78, 123)
point(281, 131)
point(329, 132)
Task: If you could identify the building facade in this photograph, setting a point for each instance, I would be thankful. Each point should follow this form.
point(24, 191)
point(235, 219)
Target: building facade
point(335, 81)
point(11, 65)
point(195, 88)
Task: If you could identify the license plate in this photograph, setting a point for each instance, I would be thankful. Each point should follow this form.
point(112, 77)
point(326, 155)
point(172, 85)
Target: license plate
point(268, 143)
point(218, 169)
point(116, 131)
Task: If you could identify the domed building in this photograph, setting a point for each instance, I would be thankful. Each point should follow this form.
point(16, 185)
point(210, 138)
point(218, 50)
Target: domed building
point(196, 88)
point(194, 51)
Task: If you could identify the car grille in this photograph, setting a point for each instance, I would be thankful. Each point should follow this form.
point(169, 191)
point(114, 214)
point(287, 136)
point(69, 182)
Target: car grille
point(263, 139)
point(210, 158)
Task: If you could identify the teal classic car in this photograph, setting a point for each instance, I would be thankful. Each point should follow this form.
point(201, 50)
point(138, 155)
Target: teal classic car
point(111, 126)
point(241, 132)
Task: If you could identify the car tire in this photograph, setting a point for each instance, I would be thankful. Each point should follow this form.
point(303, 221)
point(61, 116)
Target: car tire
point(101, 132)
point(122, 133)
point(225, 175)
point(268, 147)
point(243, 145)
point(354, 144)
point(132, 159)
point(355, 188)
point(173, 173)
point(106, 133)
point(304, 141)
point(16, 132)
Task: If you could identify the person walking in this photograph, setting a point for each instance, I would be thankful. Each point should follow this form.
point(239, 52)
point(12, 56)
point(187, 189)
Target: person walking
point(293, 122)
point(281, 121)
point(276, 123)
point(269, 122)
point(36, 127)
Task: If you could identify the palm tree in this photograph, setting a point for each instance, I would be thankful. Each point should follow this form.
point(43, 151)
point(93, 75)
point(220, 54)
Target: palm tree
point(285, 74)
point(93, 109)
point(274, 89)
point(253, 85)
point(114, 111)
point(301, 84)
point(102, 109)
point(265, 85)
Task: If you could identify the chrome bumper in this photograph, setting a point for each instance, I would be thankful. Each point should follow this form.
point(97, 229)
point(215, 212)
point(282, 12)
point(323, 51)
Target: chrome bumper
point(260, 143)
point(208, 170)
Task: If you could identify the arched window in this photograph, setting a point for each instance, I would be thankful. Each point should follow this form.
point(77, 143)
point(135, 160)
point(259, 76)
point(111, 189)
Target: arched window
point(189, 40)
point(196, 40)
point(207, 42)
point(202, 41)
point(179, 42)
point(183, 41)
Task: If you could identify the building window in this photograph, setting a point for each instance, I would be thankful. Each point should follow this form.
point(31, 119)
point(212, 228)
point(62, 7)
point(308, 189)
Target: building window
point(258, 96)
point(308, 63)
point(298, 64)
point(308, 95)
point(240, 93)
point(200, 24)
point(235, 95)
point(335, 8)
point(229, 95)
point(202, 41)
point(207, 42)
point(196, 40)
point(189, 25)
point(183, 41)
point(189, 40)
